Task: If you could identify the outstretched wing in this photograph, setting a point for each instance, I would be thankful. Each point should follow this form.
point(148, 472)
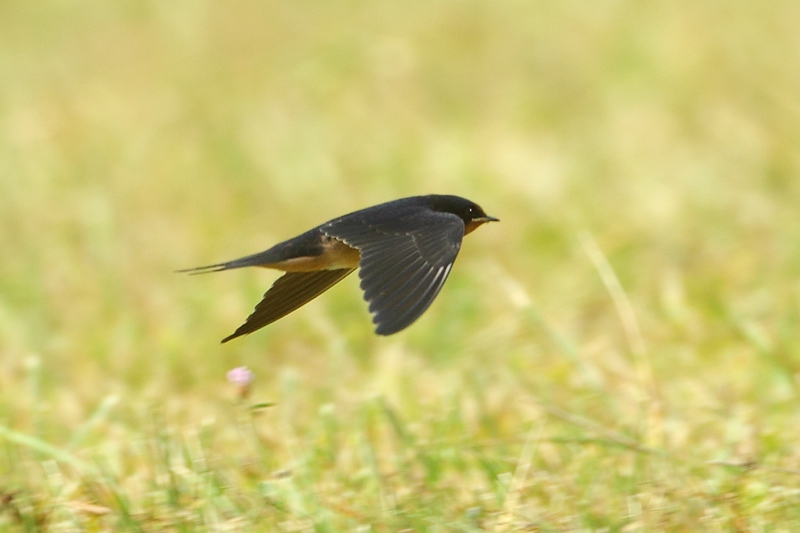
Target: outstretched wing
point(289, 292)
point(405, 259)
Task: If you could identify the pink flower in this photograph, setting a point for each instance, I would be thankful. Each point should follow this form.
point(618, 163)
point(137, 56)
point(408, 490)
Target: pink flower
point(241, 377)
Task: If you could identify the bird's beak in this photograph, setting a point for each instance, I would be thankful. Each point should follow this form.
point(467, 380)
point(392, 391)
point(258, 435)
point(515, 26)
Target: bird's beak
point(473, 224)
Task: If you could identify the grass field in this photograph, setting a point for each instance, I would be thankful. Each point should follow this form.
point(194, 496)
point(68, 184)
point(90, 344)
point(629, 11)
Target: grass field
point(620, 353)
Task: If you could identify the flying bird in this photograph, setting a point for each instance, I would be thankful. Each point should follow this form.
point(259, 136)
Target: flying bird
point(404, 250)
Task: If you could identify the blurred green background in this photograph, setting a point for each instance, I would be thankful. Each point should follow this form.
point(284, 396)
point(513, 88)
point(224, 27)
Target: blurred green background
point(621, 351)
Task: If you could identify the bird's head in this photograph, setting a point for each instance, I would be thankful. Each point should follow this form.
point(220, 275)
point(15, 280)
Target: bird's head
point(471, 213)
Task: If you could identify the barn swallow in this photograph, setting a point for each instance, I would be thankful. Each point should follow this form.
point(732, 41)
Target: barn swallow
point(404, 249)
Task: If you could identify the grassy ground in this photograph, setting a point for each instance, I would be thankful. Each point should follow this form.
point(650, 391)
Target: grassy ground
point(620, 353)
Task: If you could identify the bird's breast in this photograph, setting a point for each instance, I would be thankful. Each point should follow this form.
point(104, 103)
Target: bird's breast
point(340, 255)
point(336, 255)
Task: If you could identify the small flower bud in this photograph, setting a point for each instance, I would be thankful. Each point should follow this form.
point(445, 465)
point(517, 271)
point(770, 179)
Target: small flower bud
point(241, 377)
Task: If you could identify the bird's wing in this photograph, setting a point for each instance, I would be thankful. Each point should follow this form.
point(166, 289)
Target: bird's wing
point(288, 293)
point(405, 260)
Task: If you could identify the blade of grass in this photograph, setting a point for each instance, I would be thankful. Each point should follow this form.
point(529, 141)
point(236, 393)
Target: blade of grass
point(99, 414)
